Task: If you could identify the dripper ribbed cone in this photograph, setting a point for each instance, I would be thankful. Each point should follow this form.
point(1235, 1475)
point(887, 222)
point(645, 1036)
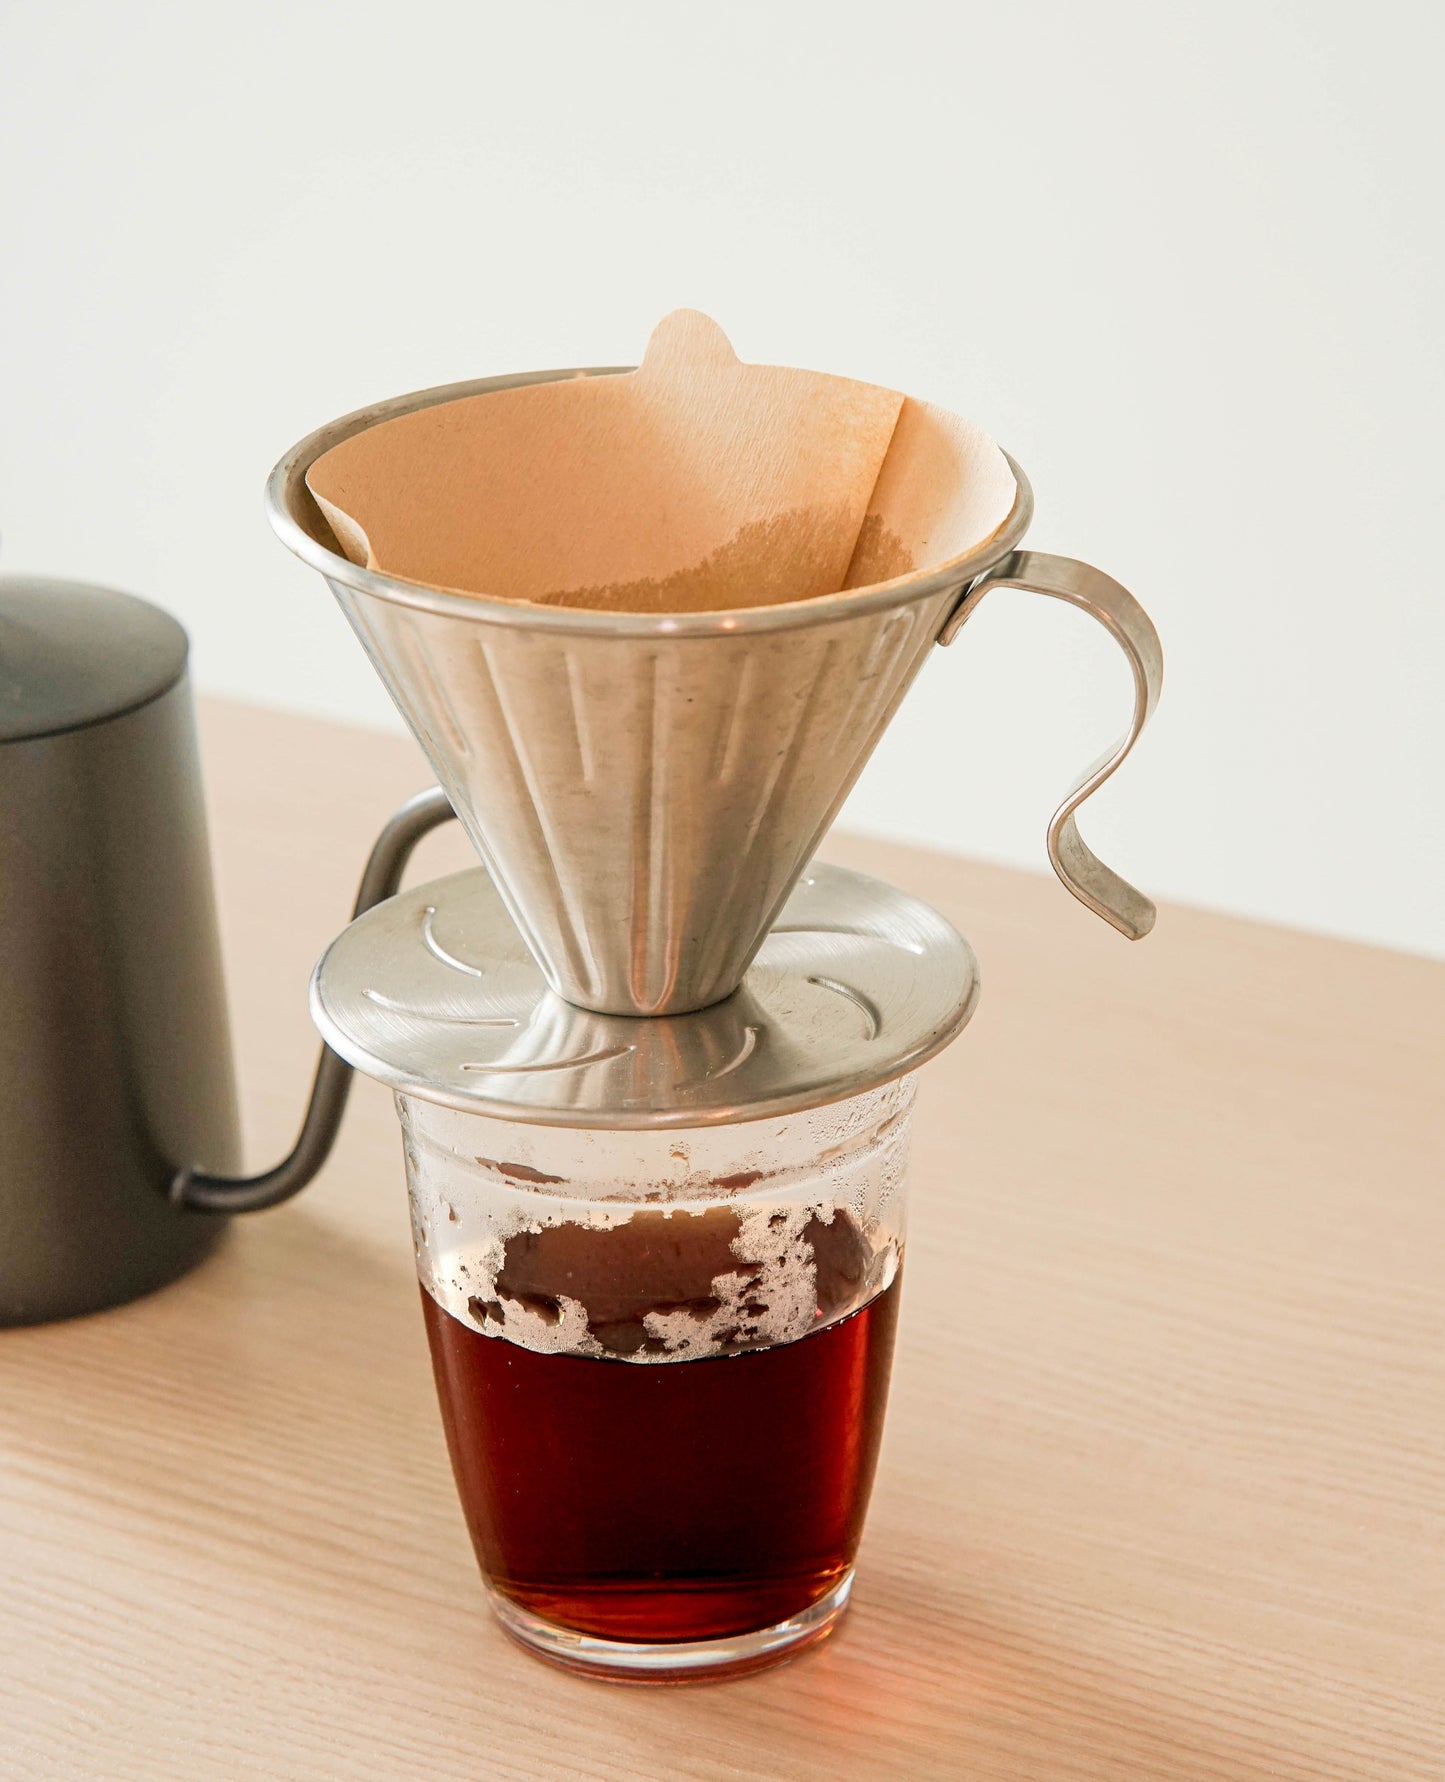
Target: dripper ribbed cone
point(644, 804)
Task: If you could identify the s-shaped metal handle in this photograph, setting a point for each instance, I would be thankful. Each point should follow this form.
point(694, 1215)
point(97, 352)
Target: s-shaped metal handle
point(332, 1083)
point(1085, 874)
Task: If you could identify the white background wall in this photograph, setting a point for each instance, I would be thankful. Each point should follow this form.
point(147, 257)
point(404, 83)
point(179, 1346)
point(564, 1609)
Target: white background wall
point(1182, 260)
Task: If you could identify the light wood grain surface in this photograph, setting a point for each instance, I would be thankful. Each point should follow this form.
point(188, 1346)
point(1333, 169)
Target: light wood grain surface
point(1161, 1493)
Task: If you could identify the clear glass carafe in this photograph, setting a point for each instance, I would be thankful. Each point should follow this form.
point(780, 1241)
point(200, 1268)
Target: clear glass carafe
point(662, 1359)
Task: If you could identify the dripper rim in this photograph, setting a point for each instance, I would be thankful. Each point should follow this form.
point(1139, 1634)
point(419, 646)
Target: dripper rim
point(298, 522)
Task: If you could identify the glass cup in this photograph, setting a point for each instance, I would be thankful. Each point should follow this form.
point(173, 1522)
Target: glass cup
point(662, 1359)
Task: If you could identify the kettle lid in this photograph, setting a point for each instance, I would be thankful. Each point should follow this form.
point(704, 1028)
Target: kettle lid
point(72, 655)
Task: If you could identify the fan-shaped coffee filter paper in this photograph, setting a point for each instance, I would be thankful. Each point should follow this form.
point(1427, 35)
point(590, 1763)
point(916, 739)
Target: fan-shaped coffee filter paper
point(694, 484)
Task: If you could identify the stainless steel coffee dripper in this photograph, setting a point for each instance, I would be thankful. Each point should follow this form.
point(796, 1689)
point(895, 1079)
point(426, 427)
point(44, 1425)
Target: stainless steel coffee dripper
point(645, 788)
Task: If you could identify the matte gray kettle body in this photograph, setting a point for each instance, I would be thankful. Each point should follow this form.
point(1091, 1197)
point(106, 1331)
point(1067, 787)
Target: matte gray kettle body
point(114, 1051)
point(118, 1126)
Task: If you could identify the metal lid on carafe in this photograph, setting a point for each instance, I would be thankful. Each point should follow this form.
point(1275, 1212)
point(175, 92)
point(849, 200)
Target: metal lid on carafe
point(435, 994)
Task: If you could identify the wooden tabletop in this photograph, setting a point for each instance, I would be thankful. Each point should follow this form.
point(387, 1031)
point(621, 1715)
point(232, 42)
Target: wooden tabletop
point(1163, 1483)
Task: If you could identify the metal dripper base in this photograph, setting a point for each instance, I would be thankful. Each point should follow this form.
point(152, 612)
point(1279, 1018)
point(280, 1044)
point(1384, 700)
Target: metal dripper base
point(435, 994)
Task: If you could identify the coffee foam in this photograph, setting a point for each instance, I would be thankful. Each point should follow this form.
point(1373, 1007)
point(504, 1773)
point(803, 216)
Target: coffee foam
point(565, 1254)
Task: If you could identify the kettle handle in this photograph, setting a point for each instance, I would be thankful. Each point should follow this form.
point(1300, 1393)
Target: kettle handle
point(1065, 578)
point(332, 1083)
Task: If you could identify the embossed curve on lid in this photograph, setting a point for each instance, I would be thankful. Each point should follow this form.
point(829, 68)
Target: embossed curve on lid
point(72, 655)
point(435, 994)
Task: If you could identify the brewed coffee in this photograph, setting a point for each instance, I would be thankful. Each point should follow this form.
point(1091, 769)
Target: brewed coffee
point(684, 1501)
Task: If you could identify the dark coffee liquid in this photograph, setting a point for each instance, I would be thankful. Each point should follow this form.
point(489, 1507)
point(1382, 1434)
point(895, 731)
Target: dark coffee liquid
point(679, 1500)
